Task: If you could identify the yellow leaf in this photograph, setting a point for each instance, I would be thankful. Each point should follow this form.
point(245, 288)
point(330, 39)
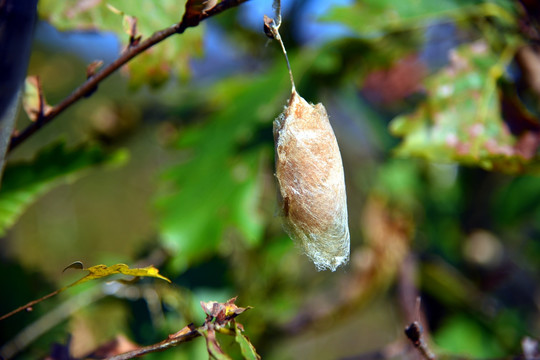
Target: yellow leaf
point(96, 272)
point(100, 271)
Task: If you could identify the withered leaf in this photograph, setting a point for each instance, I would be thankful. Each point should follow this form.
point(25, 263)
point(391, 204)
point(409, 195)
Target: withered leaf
point(74, 265)
point(119, 345)
point(268, 27)
point(222, 312)
point(93, 67)
point(195, 9)
point(129, 24)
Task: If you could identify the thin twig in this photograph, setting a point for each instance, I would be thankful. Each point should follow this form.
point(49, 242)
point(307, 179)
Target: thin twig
point(50, 319)
point(272, 31)
point(29, 305)
point(218, 317)
point(90, 85)
point(163, 345)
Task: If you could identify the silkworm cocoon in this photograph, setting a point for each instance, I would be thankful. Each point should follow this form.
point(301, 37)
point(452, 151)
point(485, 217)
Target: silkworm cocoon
point(311, 181)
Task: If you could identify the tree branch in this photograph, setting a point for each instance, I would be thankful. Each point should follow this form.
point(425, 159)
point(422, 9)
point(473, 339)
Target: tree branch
point(90, 85)
point(189, 334)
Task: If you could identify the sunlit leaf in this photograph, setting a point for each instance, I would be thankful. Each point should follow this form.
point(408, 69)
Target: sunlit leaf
point(101, 271)
point(460, 120)
point(95, 272)
point(374, 17)
point(155, 65)
point(24, 182)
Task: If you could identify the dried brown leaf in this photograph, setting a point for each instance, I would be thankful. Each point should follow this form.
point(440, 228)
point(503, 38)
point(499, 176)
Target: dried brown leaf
point(93, 67)
point(195, 9)
point(119, 345)
point(222, 313)
point(34, 103)
point(74, 265)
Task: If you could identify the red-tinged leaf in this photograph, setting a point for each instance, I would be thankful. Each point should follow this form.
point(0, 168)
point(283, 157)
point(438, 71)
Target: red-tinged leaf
point(222, 313)
point(461, 120)
point(402, 79)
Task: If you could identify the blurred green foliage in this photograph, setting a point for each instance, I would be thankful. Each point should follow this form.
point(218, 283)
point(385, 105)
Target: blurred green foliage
point(23, 182)
point(455, 196)
point(392, 15)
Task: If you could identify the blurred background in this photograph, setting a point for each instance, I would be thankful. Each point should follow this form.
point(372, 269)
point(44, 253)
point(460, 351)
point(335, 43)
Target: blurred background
point(170, 163)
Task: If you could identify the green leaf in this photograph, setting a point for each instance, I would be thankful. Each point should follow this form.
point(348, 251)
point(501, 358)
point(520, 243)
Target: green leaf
point(517, 202)
point(460, 120)
point(24, 182)
point(246, 347)
point(218, 187)
point(374, 17)
point(154, 65)
point(461, 335)
point(213, 347)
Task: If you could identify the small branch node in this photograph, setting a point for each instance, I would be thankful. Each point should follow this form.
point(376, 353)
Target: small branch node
point(271, 29)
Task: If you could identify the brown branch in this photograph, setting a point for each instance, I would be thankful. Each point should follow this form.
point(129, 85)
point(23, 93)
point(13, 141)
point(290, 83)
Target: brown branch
point(218, 316)
point(185, 336)
point(90, 85)
point(28, 306)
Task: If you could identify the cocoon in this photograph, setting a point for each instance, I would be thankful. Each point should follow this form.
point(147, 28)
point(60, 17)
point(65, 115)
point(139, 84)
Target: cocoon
point(309, 170)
